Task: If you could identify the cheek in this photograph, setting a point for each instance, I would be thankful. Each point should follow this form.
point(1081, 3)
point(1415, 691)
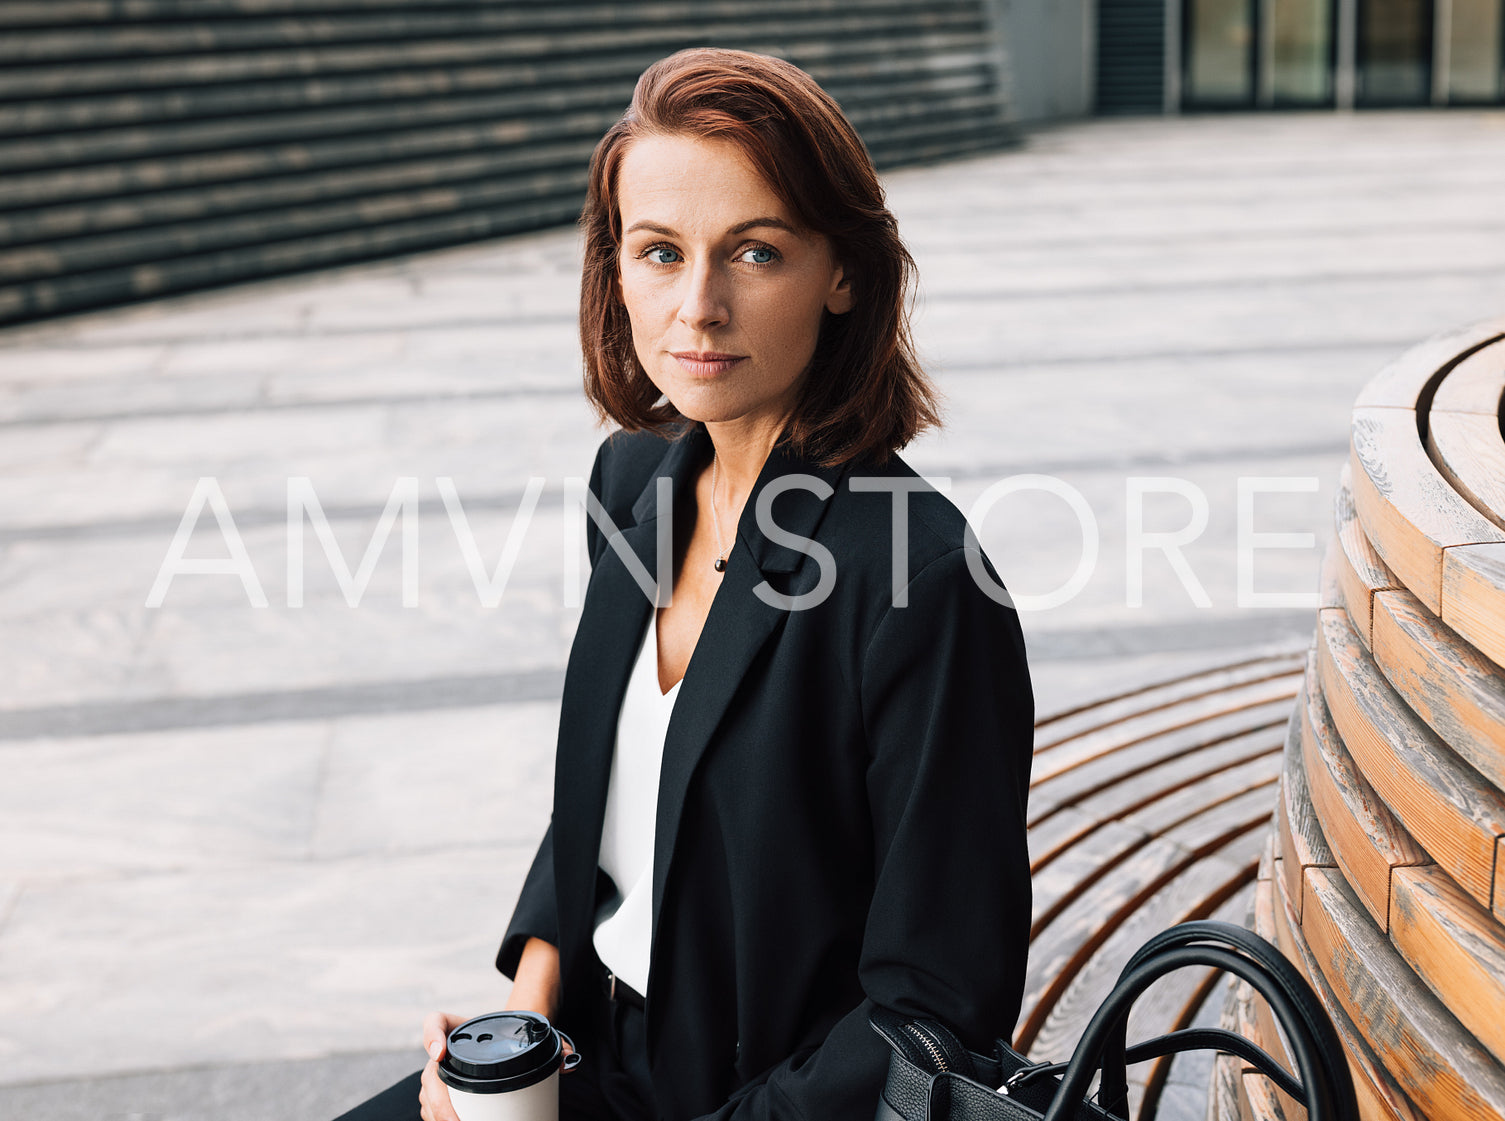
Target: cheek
point(644, 301)
point(793, 319)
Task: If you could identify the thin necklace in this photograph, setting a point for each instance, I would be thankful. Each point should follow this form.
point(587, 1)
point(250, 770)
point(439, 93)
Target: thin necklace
point(721, 553)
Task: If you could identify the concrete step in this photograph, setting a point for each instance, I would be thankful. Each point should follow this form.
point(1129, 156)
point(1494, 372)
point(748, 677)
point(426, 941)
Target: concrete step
point(157, 145)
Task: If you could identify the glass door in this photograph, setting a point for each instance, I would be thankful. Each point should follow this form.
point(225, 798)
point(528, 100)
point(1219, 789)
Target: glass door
point(1395, 52)
point(1474, 43)
point(1300, 51)
point(1218, 65)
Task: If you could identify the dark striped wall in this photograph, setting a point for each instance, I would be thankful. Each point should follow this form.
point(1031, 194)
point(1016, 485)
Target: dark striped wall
point(156, 146)
point(1131, 56)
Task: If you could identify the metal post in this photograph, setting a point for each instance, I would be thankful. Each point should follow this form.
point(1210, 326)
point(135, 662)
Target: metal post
point(1264, 53)
point(1345, 81)
point(1172, 99)
point(1442, 49)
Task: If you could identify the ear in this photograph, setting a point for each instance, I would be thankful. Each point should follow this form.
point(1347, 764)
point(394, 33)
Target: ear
point(839, 299)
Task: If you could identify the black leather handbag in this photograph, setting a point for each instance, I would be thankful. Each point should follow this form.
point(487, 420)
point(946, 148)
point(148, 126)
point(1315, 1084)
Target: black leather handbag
point(932, 1077)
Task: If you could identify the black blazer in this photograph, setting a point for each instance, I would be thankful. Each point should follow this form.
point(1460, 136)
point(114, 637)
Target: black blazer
point(841, 803)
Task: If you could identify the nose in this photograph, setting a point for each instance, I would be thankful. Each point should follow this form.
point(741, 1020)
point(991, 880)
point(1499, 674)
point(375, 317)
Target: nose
point(703, 302)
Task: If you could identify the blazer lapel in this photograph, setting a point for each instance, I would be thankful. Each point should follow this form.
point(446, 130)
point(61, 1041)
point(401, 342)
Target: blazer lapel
point(736, 629)
point(613, 619)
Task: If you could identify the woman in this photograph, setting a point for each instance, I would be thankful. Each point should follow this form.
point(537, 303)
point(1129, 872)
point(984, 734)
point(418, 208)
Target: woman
point(796, 786)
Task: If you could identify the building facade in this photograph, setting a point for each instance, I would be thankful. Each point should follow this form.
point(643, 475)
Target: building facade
point(1193, 55)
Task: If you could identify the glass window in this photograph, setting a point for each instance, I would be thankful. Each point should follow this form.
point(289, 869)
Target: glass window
point(1474, 51)
point(1301, 51)
point(1219, 62)
point(1395, 52)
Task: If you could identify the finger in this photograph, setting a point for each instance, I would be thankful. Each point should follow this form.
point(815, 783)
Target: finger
point(436, 1029)
point(435, 1096)
point(568, 1051)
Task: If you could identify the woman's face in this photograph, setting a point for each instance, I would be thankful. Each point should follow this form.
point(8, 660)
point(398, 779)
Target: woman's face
point(724, 289)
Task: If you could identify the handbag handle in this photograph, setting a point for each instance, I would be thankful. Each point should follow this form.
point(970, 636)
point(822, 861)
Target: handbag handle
point(1325, 1078)
point(1318, 1027)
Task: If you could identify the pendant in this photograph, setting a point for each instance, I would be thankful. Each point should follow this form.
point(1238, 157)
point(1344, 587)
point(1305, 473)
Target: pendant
point(720, 564)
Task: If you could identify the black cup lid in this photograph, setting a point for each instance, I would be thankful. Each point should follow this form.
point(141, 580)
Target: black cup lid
point(503, 1045)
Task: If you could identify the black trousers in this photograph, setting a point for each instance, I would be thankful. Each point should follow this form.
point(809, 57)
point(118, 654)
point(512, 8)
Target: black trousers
point(611, 1083)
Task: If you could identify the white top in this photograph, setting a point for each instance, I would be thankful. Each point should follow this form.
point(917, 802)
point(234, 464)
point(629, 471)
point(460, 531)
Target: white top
point(624, 924)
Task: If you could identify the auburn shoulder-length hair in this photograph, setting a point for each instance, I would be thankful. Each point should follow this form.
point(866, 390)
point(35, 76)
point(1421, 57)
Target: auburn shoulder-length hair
point(868, 396)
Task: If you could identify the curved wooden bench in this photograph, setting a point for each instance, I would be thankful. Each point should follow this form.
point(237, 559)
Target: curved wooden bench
point(1383, 877)
point(1299, 838)
point(1446, 805)
point(1459, 693)
point(1470, 454)
point(1409, 510)
point(1454, 946)
point(1473, 597)
point(1413, 378)
point(1362, 572)
point(1434, 538)
point(1379, 1095)
point(1386, 884)
point(1367, 842)
point(1474, 385)
point(1405, 1024)
point(1147, 808)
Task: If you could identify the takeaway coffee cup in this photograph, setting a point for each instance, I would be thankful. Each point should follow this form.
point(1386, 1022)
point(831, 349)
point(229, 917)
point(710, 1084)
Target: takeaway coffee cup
point(504, 1066)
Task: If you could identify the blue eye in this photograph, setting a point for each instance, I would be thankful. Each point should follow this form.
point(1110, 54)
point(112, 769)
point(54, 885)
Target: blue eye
point(759, 255)
point(663, 255)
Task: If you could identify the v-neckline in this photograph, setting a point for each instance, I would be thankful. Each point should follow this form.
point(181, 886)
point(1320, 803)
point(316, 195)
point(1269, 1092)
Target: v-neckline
point(652, 638)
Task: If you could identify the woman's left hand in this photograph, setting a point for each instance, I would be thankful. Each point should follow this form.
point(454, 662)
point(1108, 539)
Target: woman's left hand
point(433, 1097)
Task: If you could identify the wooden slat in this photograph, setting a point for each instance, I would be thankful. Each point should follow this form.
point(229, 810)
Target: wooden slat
point(1475, 385)
point(1361, 570)
point(1406, 381)
point(1458, 692)
point(1456, 947)
point(1469, 451)
point(1064, 947)
point(1078, 720)
point(1265, 1098)
point(1473, 597)
point(1224, 713)
point(1057, 882)
point(1155, 768)
point(1049, 794)
point(1219, 888)
point(1263, 1101)
point(1452, 810)
point(1302, 844)
point(1409, 511)
point(1365, 837)
point(1196, 890)
point(1379, 1097)
point(1417, 1040)
point(1330, 577)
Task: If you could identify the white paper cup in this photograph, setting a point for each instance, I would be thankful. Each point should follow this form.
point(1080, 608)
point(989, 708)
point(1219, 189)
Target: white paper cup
point(504, 1066)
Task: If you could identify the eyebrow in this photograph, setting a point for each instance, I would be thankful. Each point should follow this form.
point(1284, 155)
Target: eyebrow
point(740, 227)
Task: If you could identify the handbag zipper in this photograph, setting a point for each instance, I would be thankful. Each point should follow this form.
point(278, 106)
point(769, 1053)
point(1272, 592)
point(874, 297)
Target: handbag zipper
point(931, 1046)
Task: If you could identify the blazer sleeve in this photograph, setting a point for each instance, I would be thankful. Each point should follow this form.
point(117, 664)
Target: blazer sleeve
point(949, 716)
point(537, 914)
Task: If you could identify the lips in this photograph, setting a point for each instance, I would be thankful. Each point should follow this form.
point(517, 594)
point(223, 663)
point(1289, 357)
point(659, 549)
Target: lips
point(706, 363)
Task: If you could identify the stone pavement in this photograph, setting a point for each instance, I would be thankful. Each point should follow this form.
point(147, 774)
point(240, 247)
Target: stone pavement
point(243, 850)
